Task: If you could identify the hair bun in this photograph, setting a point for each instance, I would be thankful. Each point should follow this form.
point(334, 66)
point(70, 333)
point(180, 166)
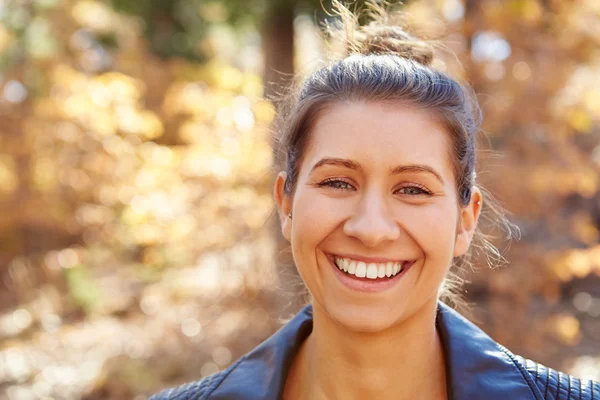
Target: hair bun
point(382, 39)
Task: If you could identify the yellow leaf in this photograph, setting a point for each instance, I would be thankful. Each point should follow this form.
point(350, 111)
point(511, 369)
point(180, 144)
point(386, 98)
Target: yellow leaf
point(8, 176)
point(567, 329)
point(580, 120)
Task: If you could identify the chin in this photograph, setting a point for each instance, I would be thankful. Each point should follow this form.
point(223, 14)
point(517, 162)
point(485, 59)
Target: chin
point(366, 319)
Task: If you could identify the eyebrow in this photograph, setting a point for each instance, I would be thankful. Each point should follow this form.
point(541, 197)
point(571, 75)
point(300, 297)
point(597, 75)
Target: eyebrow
point(343, 162)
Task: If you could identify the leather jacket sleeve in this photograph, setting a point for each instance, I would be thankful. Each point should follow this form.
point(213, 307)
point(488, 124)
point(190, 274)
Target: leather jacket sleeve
point(558, 385)
point(198, 390)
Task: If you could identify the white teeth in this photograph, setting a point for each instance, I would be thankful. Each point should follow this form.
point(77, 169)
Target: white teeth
point(361, 269)
point(352, 267)
point(371, 270)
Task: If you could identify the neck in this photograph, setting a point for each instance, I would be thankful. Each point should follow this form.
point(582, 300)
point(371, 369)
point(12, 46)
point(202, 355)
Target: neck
point(402, 362)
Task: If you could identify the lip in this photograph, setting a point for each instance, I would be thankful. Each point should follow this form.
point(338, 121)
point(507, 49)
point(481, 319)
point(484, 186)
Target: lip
point(366, 285)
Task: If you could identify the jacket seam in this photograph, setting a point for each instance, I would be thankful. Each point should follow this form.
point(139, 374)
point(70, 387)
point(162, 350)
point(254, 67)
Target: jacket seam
point(519, 367)
point(180, 395)
point(558, 386)
point(183, 393)
point(225, 375)
point(547, 382)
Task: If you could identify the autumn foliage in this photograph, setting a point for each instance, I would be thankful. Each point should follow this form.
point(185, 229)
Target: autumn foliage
point(136, 250)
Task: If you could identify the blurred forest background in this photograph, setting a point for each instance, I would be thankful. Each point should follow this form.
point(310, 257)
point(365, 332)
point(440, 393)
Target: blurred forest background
point(137, 241)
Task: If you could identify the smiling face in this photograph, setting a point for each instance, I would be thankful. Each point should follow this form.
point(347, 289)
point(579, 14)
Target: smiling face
point(376, 185)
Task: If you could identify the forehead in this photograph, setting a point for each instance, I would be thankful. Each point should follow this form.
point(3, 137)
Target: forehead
point(380, 134)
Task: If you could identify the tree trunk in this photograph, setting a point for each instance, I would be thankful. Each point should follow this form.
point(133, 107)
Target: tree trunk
point(278, 47)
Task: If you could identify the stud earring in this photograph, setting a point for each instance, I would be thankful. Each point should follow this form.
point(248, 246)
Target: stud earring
point(290, 215)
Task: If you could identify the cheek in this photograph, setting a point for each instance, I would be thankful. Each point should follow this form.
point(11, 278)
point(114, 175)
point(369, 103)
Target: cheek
point(433, 228)
point(315, 217)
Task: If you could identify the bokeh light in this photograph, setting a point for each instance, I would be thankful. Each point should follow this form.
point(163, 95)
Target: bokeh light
point(136, 246)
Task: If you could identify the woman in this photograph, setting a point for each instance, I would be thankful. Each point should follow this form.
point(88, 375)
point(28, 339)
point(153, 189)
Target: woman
point(378, 199)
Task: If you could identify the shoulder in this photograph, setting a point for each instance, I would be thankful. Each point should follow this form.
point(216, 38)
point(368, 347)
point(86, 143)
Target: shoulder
point(478, 364)
point(198, 390)
point(558, 385)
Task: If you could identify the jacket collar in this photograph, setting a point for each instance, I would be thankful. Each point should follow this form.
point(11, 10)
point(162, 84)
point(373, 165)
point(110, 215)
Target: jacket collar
point(477, 367)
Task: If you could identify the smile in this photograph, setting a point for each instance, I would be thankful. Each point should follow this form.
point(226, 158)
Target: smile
point(361, 269)
point(368, 277)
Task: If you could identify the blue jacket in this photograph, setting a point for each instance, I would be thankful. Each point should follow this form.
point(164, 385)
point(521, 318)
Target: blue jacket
point(477, 368)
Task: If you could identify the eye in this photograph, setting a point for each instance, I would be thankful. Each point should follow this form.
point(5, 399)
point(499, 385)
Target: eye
point(414, 191)
point(336, 184)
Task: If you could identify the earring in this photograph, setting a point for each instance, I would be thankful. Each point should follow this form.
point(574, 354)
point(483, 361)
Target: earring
point(290, 215)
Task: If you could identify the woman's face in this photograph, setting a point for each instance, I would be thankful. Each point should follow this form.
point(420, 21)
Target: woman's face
point(375, 194)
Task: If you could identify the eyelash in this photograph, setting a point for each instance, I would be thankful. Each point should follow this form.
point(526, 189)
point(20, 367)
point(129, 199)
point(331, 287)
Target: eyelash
point(330, 183)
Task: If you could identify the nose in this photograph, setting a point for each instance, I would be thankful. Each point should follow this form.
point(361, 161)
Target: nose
point(372, 223)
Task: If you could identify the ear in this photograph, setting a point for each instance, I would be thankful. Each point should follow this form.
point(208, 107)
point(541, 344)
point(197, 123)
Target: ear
point(467, 223)
point(284, 205)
